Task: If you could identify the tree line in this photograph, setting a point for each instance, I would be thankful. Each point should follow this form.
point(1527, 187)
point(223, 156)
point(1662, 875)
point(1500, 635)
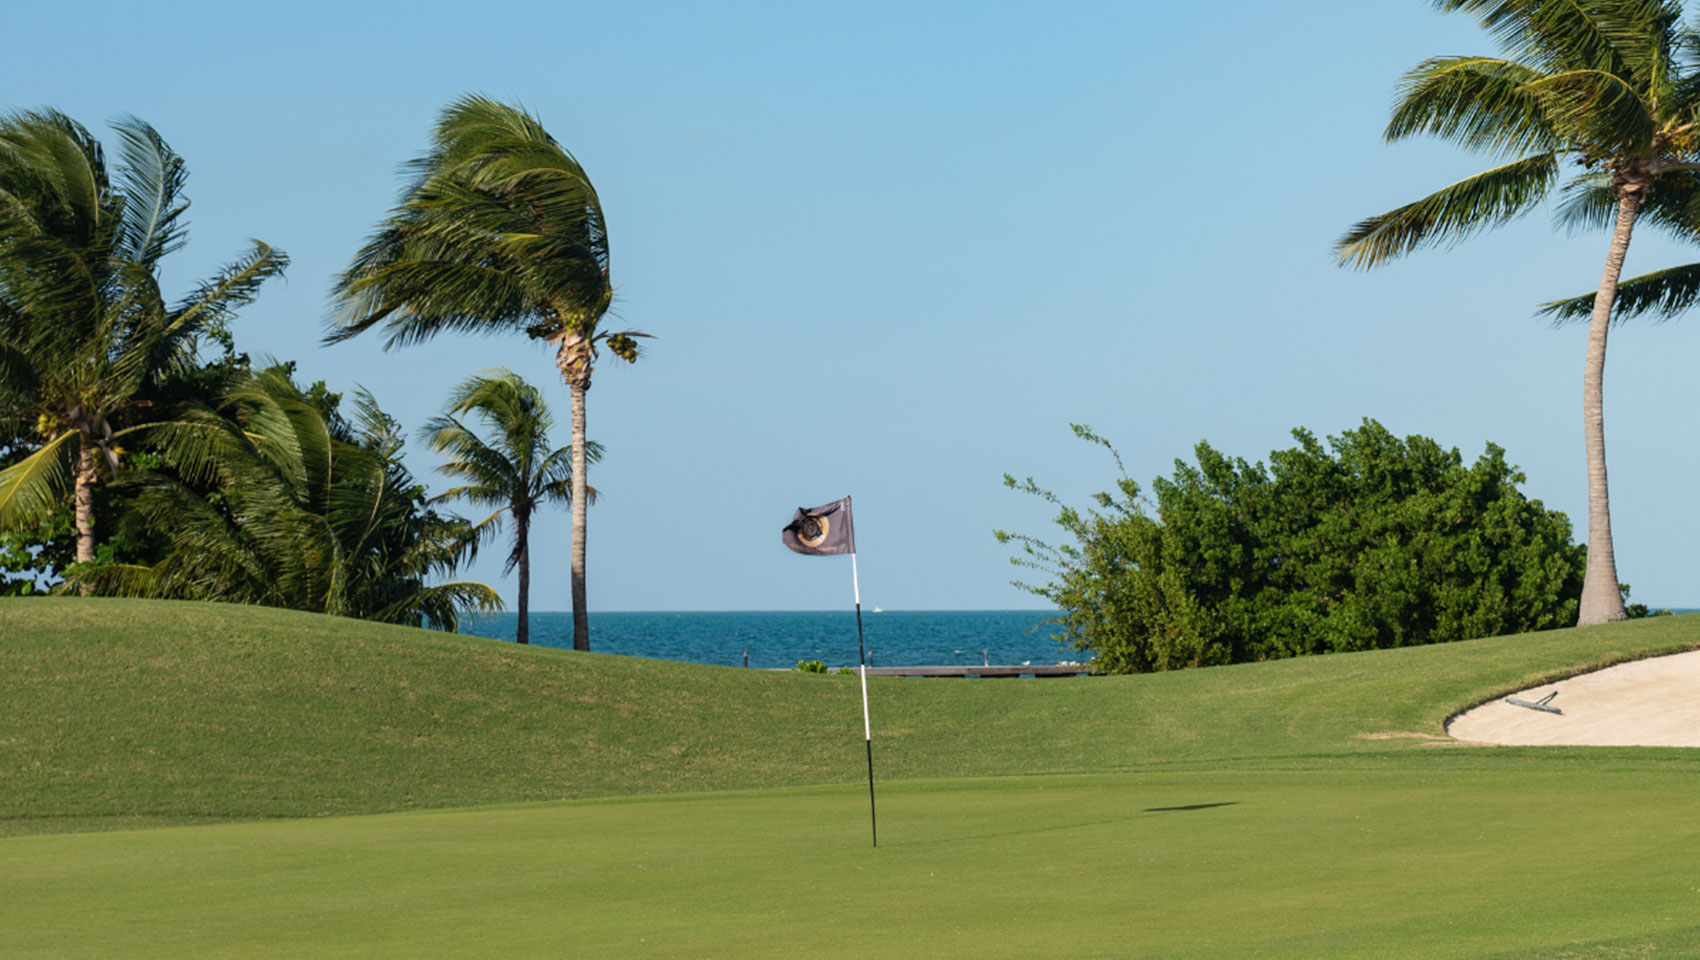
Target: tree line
point(142, 455)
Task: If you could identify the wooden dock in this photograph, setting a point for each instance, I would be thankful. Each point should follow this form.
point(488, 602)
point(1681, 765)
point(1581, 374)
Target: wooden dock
point(998, 670)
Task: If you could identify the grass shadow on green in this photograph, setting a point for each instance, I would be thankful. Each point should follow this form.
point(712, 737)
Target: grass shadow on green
point(1145, 814)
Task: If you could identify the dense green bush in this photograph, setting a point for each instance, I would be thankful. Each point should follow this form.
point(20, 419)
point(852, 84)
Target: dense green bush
point(1372, 542)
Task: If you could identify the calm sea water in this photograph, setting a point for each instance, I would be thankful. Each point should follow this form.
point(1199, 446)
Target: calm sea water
point(780, 639)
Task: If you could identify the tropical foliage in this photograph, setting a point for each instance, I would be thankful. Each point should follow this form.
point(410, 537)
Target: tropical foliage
point(1371, 542)
point(275, 498)
point(514, 471)
point(212, 482)
point(86, 336)
point(499, 231)
point(1597, 101)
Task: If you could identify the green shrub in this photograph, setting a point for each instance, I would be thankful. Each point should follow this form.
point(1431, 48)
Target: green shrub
point(810, 666)
point(1372, 542)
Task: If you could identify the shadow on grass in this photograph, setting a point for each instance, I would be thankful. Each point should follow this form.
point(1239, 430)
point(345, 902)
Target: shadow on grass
point(1058, 828)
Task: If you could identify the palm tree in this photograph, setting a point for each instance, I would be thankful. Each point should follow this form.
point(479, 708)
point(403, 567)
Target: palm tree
point(515, 472)
point(1601, 89)
point(84, 329)
point(274, 498)
point(500, 231)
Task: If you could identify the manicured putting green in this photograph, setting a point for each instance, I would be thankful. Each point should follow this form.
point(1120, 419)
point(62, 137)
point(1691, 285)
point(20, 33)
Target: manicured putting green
point(1452, 860)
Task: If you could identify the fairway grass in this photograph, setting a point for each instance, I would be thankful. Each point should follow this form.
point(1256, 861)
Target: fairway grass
point(125, 713)
point(320, 787)
point(1272, 863)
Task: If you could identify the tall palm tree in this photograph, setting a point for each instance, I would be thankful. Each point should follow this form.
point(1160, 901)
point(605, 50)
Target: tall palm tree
point(276, 499)
point(515, 471)
point(1600, 90)
point(84, 329)
point(500, 231)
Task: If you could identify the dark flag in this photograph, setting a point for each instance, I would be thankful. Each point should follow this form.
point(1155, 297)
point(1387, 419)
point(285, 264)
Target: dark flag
point(825, 531)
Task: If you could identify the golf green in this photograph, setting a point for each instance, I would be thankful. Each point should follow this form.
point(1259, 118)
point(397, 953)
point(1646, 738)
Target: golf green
point(1440, 857)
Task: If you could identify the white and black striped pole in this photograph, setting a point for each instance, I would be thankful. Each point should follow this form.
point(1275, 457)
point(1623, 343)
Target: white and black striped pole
point(867, 725)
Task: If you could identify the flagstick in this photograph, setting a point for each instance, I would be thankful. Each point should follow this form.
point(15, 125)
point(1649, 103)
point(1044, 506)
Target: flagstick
point(867, 727)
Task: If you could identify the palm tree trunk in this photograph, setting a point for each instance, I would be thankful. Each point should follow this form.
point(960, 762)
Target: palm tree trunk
point(1602, 600)
point(84, 500)
point(581, 617)
point(522, 535)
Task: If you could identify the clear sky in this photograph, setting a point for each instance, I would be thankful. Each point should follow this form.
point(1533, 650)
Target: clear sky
point(892, 250)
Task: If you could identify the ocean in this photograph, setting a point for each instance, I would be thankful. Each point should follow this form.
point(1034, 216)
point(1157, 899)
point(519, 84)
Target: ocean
point(896, 638)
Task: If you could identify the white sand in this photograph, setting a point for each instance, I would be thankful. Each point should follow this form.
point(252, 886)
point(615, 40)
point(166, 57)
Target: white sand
point(1646, 703)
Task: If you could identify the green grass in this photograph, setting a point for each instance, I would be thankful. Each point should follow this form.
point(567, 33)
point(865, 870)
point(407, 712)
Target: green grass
point(134, 712)
point(1228, 812)
point(1279, 864)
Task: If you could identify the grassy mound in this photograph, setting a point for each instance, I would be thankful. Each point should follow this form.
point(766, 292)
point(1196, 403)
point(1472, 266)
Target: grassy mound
point(129, 713)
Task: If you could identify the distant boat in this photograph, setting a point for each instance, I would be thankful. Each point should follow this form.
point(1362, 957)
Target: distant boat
point(878, 610)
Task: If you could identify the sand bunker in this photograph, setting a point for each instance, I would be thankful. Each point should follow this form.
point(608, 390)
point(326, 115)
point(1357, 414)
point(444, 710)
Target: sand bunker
point(1646, 703)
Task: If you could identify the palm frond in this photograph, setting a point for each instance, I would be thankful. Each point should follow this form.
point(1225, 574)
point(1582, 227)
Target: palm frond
point(556, 471)
point(32, 488)
point(151, 180)
point(1451, 214)
point(561, 491)
point(1674, 204)
point(1665, 293)
point(216, 300)
point(56, 288)
point(117, 580)
point(285, 434)
point(1586, 202)
point(1682, 102)
point(18, 379)
point(1646, 35)
point(197, 441)
point(439, 607)
point(1599, 111)
point(1477, 102)
point(476, 494)
point(416, 299)
point(1553, 36)
point(471, 459)
point(67, 191)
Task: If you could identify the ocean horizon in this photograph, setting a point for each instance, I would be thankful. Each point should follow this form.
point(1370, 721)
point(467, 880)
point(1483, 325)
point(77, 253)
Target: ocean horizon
point(778, 639)
point(781, 638)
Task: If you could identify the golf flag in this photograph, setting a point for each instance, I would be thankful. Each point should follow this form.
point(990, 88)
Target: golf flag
point(825, 531)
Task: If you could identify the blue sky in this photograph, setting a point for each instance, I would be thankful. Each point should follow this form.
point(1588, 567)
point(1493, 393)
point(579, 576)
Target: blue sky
point(893, 250)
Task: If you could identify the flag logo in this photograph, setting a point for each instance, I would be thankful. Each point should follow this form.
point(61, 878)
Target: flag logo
point(813, 531)
point(824, 531)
